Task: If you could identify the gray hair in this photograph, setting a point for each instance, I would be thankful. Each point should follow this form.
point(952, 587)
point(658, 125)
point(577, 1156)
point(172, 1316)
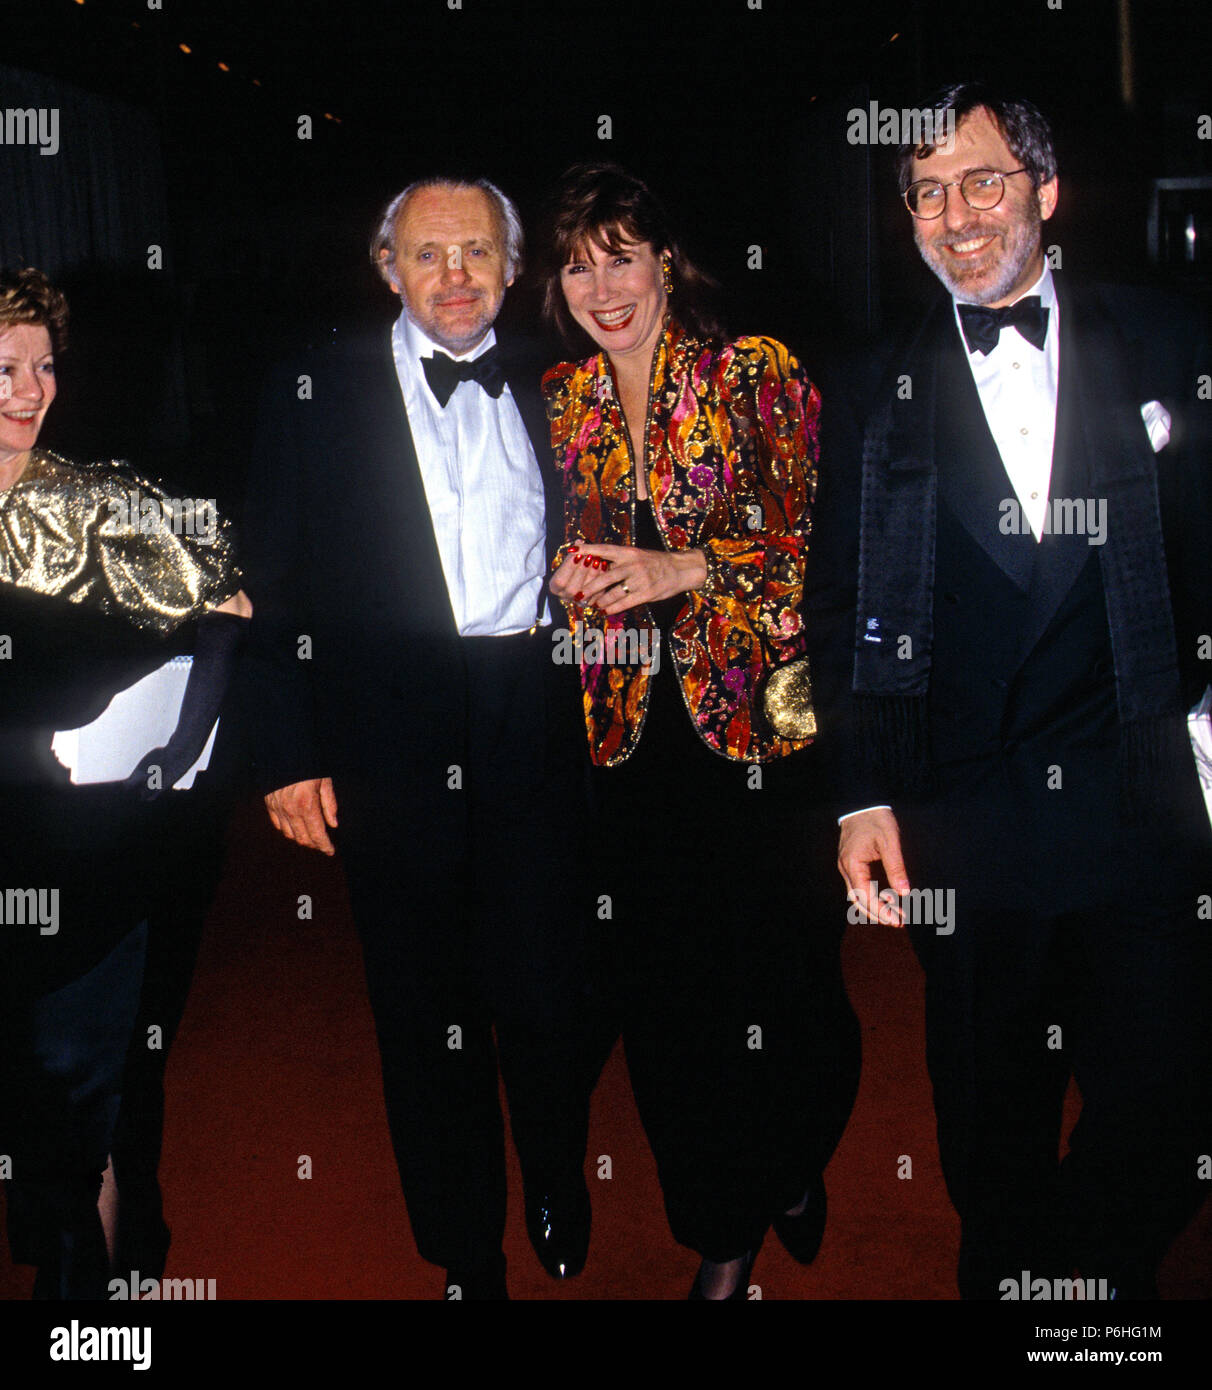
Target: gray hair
point(384, 238)
point(1023, 127)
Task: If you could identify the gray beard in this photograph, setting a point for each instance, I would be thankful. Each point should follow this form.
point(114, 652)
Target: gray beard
point(1019, 257)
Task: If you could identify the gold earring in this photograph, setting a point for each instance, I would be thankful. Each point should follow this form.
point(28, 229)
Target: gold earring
point(667, 275)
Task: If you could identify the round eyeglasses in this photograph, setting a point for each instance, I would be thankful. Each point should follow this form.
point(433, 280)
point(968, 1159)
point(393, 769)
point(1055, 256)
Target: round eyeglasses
point(980, 188)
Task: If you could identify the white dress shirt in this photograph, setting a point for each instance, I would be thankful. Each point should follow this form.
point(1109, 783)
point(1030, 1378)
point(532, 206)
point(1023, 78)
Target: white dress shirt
point(484, 491)
point(1017, 385)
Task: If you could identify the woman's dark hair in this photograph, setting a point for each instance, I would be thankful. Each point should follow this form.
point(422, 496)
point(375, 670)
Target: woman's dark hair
point(28, 297)
point(604, 206)
point(1022, 126)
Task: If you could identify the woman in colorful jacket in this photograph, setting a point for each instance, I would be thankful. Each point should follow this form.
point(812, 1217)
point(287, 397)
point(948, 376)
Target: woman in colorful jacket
point(689, 468)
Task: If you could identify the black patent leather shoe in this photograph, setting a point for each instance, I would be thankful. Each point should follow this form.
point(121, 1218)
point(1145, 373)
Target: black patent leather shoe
point(802, 1235)
point(481, 1283)
point(557, 1222)
point(740, 1291)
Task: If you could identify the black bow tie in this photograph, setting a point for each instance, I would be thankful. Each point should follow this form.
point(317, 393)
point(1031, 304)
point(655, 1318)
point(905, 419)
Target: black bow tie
point(982, 326)
point(443, 374)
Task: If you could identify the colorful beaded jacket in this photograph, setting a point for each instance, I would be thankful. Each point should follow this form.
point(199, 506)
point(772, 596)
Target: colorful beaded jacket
point(731, 447)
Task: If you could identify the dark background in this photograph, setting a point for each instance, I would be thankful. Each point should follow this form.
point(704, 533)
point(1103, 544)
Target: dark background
point(736, 116)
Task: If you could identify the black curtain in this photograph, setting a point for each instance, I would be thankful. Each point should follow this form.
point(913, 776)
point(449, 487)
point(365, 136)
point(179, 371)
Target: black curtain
point(90, 215)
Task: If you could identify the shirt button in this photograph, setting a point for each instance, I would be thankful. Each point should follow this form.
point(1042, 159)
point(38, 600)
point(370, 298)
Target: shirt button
point(1023, 430)
point(1014, 365)
point(1034, 495)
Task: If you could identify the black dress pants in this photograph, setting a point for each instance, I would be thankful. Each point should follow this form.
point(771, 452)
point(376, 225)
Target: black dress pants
point(725, 934)
point(185, 842)
point(1015, 1000)
point(463, 877)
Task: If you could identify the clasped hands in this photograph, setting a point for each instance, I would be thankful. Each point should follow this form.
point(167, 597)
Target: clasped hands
point(610, 579)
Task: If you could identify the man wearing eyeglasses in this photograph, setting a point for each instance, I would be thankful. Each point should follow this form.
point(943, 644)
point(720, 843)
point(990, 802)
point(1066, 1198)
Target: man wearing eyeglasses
point(1033, 583)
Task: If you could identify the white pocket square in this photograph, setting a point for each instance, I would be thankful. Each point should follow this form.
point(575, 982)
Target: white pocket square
point(1199, 721)
point(1157, 422)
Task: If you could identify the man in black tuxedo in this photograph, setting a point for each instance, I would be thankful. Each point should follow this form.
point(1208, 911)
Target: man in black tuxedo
point(401, 524)
point(1015, 685)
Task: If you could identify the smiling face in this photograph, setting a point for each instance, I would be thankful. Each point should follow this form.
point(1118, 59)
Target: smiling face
point(27, 387)
point(449, 266)
point(988, 257)
point(617, 297)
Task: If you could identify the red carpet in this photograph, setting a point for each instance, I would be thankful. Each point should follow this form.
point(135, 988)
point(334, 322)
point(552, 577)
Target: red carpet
point(276, 1066)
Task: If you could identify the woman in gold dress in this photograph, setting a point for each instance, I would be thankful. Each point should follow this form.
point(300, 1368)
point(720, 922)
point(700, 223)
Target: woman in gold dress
point(99, 569)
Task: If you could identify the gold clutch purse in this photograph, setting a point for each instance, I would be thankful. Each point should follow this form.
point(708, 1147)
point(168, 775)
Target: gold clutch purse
point(787, 700)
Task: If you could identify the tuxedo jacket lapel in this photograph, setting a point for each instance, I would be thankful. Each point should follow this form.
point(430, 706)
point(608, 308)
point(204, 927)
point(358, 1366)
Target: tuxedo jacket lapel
point(1059, 558)
point(972, 478)
point(396, 513)
point(1098, 416)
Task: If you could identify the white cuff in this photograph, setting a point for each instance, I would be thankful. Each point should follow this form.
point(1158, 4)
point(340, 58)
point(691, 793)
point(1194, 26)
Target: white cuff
point(848, 814)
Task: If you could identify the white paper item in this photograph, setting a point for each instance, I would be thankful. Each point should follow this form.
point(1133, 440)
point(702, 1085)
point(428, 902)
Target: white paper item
point(136, 720)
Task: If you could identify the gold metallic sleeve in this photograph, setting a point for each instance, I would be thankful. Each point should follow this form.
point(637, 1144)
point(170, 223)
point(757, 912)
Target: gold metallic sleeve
point(101, 535)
